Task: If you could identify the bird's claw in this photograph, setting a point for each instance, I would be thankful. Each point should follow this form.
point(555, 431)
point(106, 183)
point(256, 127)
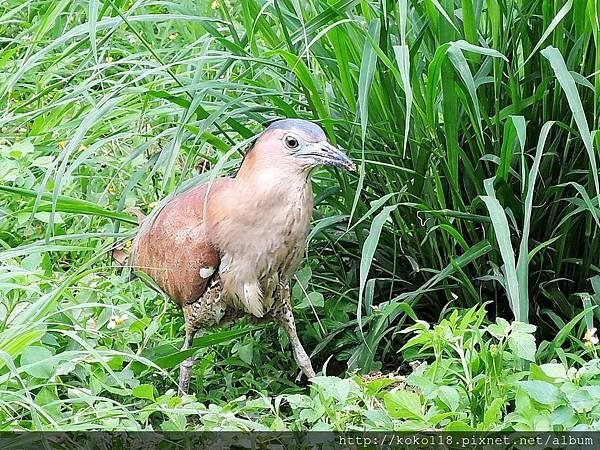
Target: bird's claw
point(306, 371)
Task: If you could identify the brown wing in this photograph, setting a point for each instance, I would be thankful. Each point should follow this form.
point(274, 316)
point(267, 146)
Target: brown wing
point(173, 246)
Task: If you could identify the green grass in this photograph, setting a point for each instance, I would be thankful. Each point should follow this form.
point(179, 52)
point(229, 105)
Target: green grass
point(475, 128)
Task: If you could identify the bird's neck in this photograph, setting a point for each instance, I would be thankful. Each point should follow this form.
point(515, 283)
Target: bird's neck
point(265, 184)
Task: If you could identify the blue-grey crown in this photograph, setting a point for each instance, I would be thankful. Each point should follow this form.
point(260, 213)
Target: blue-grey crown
point(312, 131)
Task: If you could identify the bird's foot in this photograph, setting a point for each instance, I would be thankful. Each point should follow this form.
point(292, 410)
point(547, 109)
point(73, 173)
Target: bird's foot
point(185, 375)
point(308, 372)
point(304, 363)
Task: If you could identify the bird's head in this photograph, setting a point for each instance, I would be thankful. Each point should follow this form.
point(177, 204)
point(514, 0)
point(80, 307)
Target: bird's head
point(301, 143)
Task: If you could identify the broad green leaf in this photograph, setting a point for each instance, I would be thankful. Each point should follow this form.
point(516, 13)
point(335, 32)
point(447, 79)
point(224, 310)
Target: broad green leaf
point(542, 392)
point(449, 396)
point(522, 345)
point(246, 352)
point(403, 405)
point(145, 391)
point(39, 360)
point(334, 387)
point(493, 413)
point(584, 399)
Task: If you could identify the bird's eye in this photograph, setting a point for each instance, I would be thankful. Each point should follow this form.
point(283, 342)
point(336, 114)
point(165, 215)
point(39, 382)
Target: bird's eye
point(291, 141)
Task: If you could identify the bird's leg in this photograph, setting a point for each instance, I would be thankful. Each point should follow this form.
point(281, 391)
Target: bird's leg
point(282, 313)
point(185, 368)
point(206, 312)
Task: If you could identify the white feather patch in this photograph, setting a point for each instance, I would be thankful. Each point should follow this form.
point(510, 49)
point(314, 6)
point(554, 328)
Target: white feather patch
point(253, 299)
point(206, 272)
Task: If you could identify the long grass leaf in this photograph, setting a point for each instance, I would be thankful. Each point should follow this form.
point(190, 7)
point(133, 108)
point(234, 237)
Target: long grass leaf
point(502, 231)
point(567, 83)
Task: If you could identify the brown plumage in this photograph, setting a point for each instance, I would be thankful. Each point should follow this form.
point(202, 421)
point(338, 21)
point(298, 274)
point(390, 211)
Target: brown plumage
point(229, 248)
point(173, 246)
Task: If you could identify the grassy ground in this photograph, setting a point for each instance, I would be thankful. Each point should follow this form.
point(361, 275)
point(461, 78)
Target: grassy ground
point(474, 124)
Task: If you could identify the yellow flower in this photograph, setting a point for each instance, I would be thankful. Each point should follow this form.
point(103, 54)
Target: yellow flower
point(115, 321)
point(215, 4)
point(109, 59)
point(128, 244)
point(111, 189)
point(62, 144)
point(173, 36)
point(590, 337)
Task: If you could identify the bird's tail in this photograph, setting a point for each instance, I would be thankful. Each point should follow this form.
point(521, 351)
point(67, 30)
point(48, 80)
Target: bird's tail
point(119, 253)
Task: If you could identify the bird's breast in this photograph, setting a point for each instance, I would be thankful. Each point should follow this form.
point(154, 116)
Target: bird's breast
point(261, 247)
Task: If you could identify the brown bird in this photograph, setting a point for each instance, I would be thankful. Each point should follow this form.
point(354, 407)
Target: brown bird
point(229, 248)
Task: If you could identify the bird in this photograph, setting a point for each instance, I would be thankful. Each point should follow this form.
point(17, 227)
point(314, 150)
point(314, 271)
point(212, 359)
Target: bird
point(229, 247)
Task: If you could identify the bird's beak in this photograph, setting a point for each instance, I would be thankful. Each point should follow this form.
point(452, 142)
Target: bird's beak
point(332, 156)
point(337, 158)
